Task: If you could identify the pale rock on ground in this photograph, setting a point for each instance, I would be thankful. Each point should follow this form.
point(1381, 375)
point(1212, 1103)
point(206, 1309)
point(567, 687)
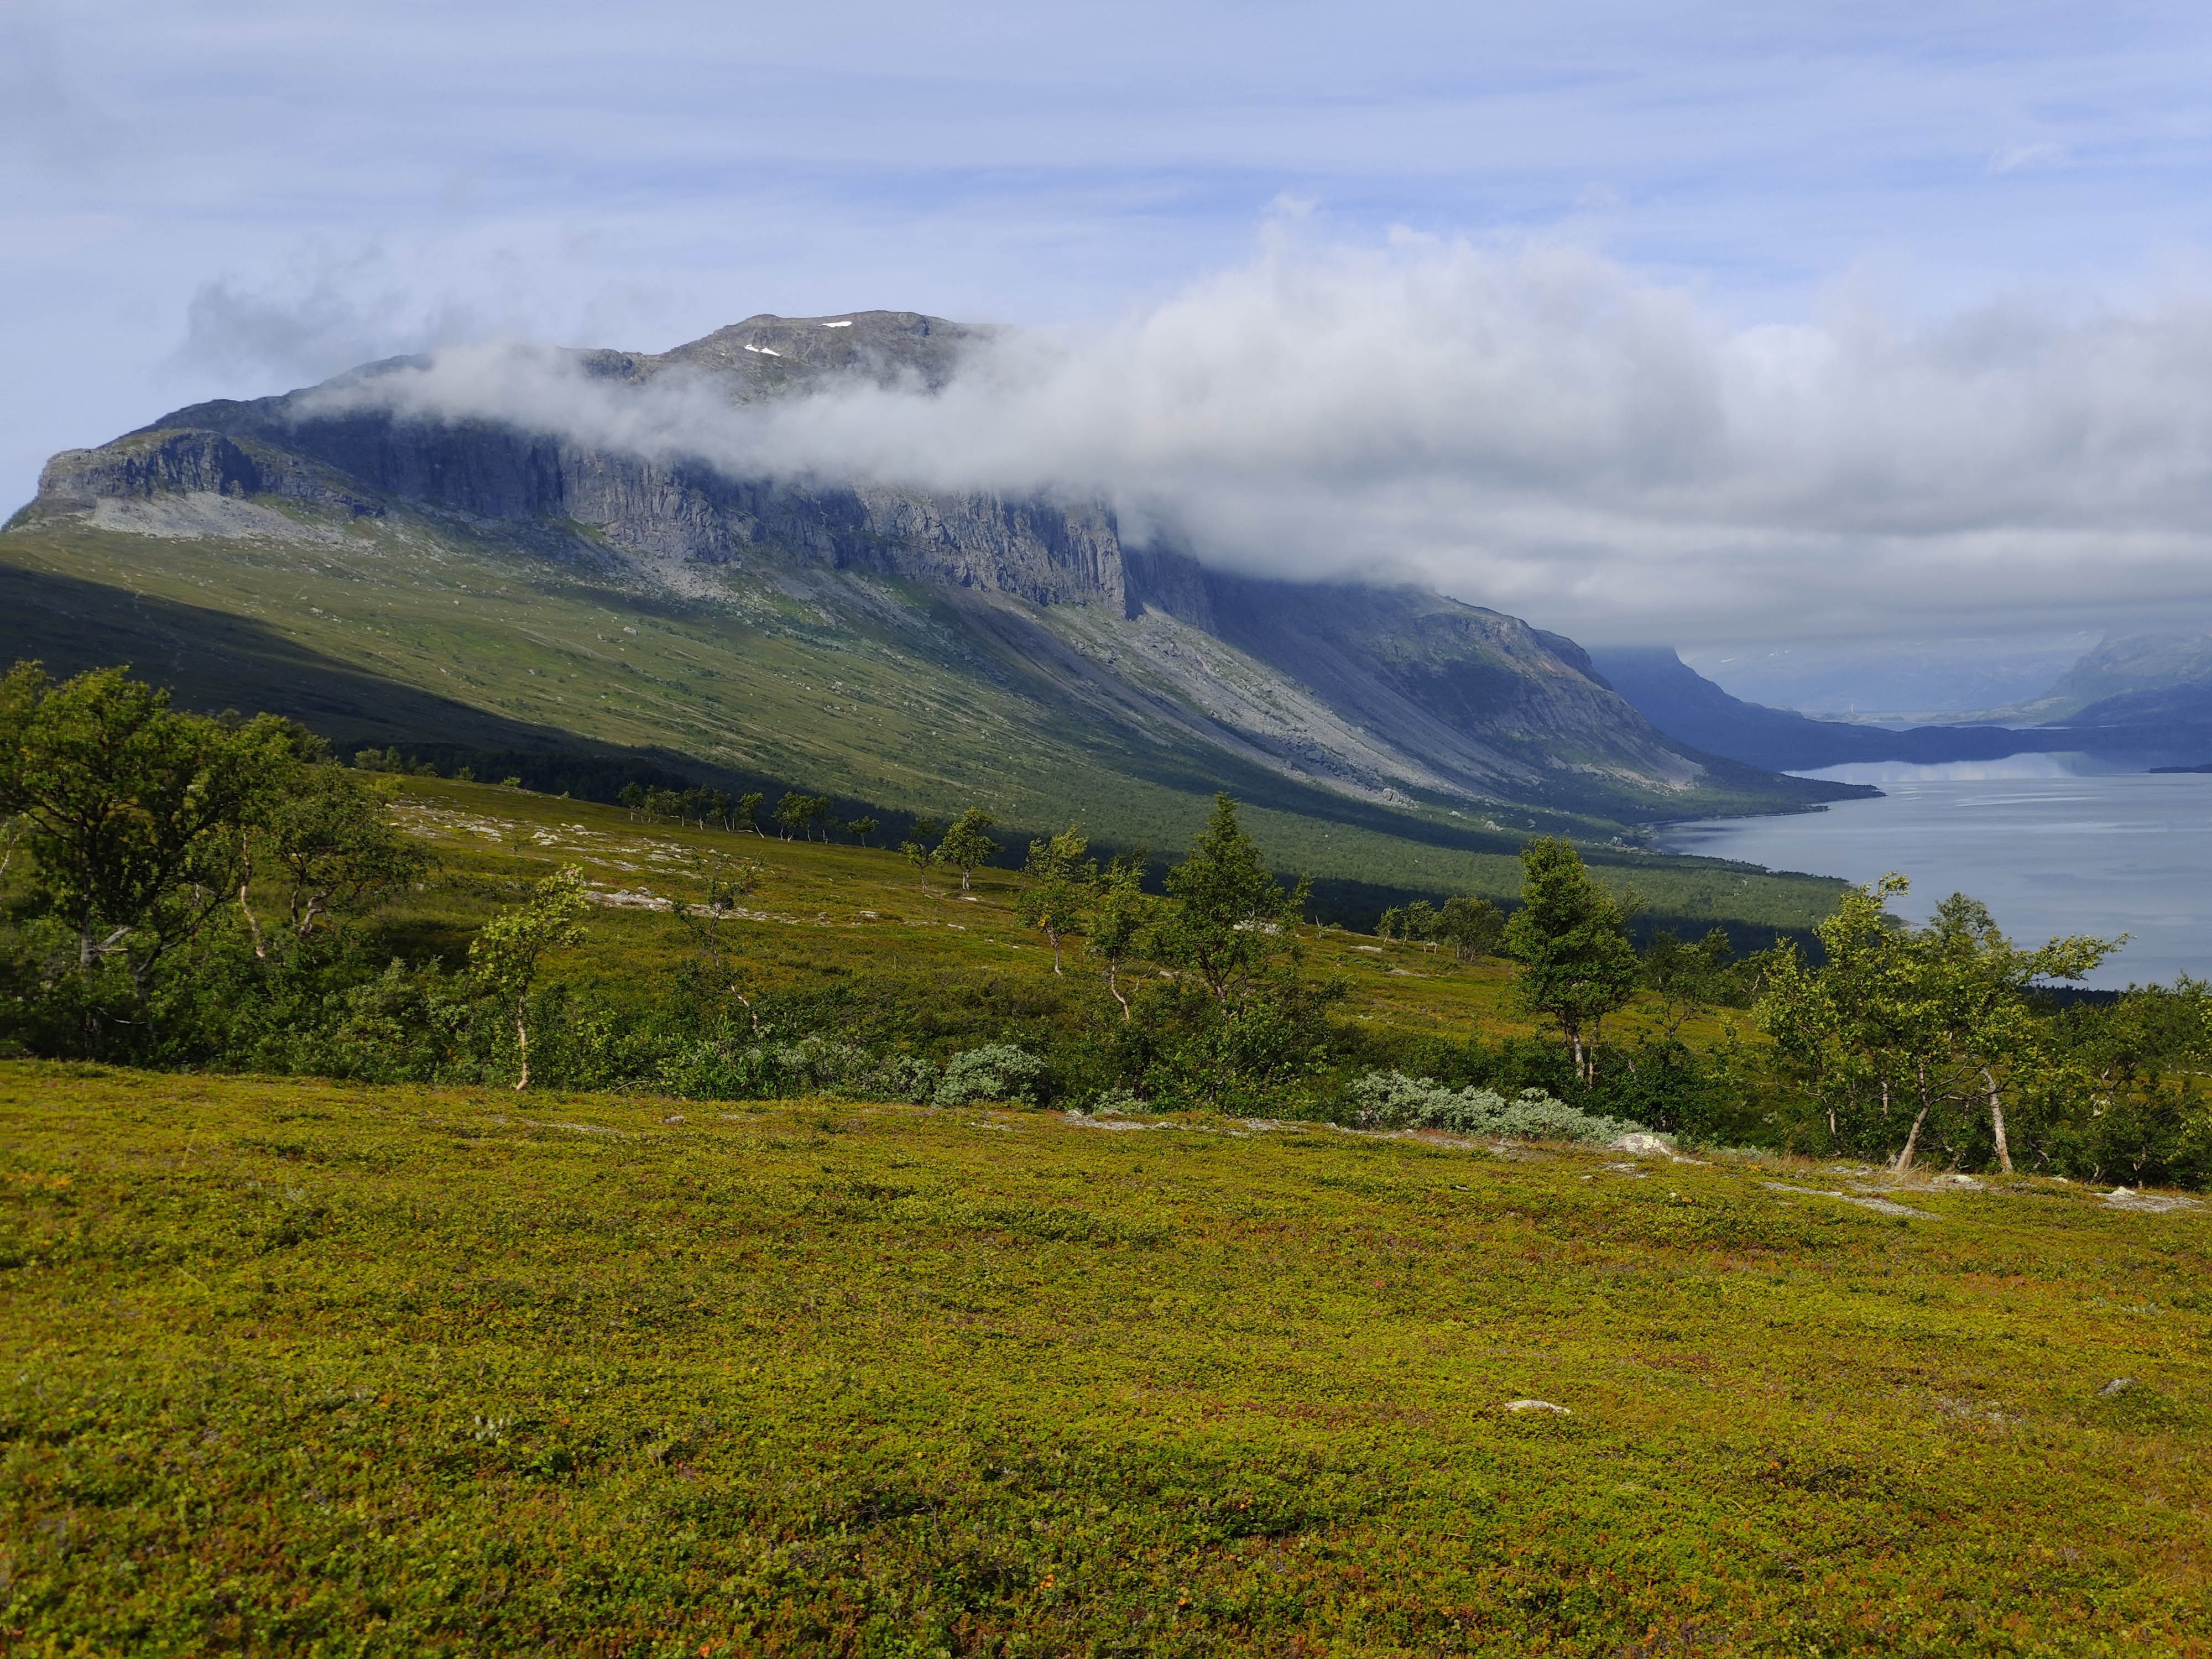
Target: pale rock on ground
point(2121, 1198)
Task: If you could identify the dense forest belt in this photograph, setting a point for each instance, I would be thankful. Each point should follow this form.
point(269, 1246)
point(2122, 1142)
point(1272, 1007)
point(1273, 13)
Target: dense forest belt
point(301, 1366)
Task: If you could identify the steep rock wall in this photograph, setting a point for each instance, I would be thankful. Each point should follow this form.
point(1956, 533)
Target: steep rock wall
point(1046, 551)
point(165, 461)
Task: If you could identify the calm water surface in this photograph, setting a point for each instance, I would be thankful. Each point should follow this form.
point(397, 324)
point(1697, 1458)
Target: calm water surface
point(2047, 853)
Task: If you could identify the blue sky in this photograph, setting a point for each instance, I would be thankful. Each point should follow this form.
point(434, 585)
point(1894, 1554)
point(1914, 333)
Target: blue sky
point(200, 200)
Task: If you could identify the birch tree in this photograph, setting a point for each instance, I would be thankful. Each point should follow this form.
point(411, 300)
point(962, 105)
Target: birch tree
point(507, 950)
point(1900, 1026)
point(135, 817)
point(968, 843)
point(1061, 879)
point(1121, 912)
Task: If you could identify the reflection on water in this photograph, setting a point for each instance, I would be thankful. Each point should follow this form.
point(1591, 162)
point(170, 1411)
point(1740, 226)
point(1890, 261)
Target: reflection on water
point(2049, 852)
point(1886, 773)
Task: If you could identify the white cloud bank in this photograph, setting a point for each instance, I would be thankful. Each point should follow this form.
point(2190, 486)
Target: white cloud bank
point(1540, 430)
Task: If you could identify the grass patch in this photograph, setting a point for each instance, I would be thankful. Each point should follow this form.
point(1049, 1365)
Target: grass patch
point(298, 1367)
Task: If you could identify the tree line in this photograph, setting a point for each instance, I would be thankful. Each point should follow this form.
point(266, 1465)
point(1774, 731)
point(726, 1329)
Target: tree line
point(807, 816)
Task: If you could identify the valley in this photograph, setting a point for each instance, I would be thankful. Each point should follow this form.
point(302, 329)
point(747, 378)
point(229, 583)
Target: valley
point(1446, 903)
point(2165, 718)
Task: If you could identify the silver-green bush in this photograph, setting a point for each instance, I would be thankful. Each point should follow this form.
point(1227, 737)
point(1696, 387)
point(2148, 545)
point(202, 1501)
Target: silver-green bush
point(1391, 1100)
point(997, 1071)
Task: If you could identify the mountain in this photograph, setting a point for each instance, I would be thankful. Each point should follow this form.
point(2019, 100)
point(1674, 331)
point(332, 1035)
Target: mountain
point(2172, 721)
point(2136, 678)
point(1892, 682)
point(479, 586)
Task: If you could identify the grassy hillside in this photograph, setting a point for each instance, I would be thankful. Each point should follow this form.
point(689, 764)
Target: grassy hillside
point(293, 1368)
point(874, 690)
point(830, 912)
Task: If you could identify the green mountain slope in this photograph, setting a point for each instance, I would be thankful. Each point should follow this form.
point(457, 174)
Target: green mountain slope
point(904, 701)
point(463, 585)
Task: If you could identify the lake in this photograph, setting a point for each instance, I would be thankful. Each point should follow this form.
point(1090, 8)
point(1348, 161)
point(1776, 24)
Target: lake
point(2050, 845)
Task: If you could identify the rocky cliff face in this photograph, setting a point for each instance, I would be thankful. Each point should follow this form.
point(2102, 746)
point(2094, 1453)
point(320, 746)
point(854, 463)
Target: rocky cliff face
point(1046, 551)
point(1373, 688)
point(187, 461)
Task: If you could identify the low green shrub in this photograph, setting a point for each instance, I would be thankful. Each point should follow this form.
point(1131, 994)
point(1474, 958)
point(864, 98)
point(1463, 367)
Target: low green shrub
point(995, 1072)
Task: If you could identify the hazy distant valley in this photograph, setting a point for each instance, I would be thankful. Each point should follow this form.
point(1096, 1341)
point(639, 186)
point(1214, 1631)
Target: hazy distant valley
point(2144, 700)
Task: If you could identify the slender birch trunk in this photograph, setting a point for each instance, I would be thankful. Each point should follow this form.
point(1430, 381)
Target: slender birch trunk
point(1996, 1121)
point(253, 927)
point(246, 880)
point(1912, 1140)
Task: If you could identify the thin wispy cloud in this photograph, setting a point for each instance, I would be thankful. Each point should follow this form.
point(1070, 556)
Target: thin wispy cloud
point(2014, 158)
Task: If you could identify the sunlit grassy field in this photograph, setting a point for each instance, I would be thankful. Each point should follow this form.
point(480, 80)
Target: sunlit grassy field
point(304, 1368)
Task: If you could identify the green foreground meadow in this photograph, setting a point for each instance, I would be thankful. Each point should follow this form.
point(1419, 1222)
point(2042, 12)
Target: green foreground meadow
point(305, 1367)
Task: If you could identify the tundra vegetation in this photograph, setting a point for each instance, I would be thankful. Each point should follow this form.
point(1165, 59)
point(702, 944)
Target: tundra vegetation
point(526, 1225)
point(298, 1366)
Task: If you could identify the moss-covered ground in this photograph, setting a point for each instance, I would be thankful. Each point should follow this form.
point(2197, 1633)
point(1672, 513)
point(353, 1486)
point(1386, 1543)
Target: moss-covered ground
point(297, 1367)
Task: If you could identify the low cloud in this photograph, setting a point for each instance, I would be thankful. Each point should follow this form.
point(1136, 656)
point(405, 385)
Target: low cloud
point(1538, 430)
point(331, 314)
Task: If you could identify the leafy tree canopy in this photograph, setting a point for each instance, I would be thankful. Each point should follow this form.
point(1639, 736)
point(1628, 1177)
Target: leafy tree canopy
point(968, 843)
point(1227, 918)
point(504, 955)
point(138, 818)
point(1061, 881)
point(1570, 939)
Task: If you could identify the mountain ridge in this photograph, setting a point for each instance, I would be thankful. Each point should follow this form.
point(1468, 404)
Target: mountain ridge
point(2125, 677)
point(1695, 711)
point(953, 644)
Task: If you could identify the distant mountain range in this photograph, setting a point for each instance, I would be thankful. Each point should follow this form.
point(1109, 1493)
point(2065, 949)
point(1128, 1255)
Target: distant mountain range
point(2135, 680)
point(1883, 681)
point(478, 587)
point(2146, 698)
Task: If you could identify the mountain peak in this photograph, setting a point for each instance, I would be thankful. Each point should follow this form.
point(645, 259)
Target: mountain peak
point(769, 354)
